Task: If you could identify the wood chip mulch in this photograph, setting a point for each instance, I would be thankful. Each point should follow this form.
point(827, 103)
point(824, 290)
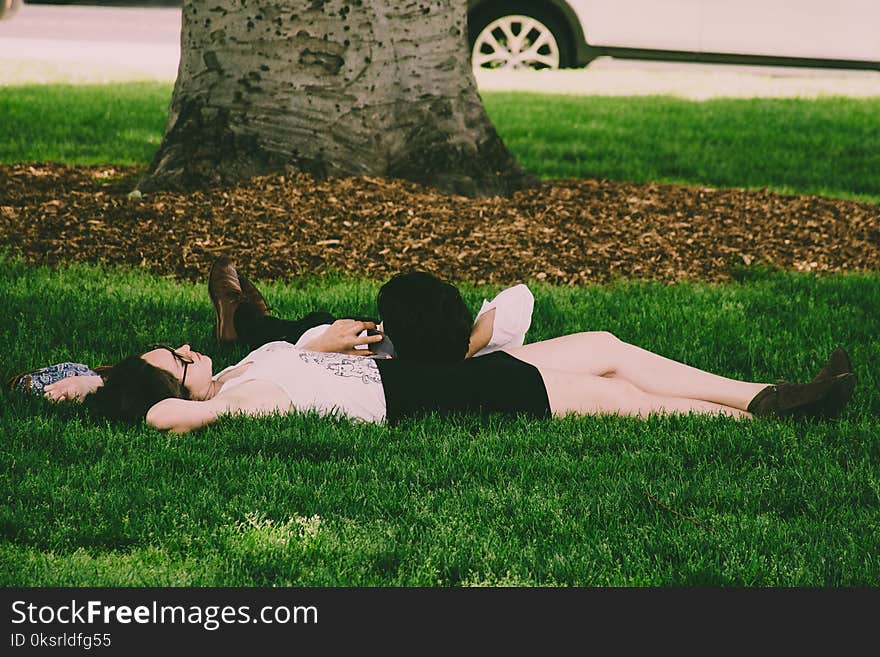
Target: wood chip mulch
point(565, 232)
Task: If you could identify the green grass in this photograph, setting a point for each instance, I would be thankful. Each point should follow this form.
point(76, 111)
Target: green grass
point(306, 501)
point(83, 124)
point(827, 146)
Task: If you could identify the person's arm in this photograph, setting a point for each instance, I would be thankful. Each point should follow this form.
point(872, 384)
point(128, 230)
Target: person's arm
point(73, 388)
point(185, 415)
point(481, 333)
point(503, 322)
point(343, 336)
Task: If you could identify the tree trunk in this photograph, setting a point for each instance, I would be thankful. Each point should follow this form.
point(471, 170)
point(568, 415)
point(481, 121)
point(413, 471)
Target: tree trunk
point(331, 88)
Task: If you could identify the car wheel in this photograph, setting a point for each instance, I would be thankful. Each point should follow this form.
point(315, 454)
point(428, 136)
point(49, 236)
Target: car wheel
point(8, 8)
point(518, 35)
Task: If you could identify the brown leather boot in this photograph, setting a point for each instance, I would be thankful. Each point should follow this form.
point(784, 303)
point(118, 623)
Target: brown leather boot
point(224, 288)
point(837, 398)
point(250, 294)
point(838, 363)
point(821, 398)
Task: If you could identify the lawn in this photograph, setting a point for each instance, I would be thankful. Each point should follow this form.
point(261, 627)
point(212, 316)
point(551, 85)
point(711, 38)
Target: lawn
point(827, 146)
point(306, 501)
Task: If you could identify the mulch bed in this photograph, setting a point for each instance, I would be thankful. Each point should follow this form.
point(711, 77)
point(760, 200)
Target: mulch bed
point(565, 232)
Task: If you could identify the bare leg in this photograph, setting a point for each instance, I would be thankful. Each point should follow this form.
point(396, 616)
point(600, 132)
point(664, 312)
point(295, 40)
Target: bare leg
point(586, 394)
point(602, 354)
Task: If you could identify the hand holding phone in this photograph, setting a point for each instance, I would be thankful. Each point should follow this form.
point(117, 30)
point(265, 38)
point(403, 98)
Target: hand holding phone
point(382, 349)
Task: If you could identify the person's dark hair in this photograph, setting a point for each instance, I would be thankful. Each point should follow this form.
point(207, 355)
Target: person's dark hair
point(130, 388)
point(426, 319)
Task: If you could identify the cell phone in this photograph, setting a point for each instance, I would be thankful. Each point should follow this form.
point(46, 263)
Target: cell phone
point(383, 348)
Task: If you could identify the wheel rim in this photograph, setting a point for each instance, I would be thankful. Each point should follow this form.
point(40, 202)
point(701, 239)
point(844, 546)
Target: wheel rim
point(516, 42)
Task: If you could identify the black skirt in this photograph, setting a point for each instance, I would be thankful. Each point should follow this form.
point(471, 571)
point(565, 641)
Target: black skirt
point(495, 383)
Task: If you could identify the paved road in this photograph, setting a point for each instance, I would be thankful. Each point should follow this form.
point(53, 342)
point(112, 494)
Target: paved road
point(158, 26)
point(47, 43)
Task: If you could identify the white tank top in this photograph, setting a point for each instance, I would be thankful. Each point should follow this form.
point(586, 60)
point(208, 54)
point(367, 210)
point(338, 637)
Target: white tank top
point(326, 383)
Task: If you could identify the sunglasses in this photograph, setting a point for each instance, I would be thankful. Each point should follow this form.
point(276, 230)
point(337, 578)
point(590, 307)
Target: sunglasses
point(186, 361)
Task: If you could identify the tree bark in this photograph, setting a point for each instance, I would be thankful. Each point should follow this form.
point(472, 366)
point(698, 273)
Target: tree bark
point(331, 88)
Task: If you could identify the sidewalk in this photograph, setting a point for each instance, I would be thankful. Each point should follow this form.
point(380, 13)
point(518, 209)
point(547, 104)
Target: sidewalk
point(85, 44)
point(614, 77)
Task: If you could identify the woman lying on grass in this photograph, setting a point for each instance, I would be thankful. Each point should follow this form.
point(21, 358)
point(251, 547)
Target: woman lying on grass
point(583, 374)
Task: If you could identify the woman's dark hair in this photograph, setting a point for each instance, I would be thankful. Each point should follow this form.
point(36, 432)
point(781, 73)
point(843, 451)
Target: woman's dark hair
point(130, 388)
point(426, 319)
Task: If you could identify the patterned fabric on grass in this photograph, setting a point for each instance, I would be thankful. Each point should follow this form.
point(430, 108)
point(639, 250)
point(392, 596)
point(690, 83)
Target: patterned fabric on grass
point(36, 380)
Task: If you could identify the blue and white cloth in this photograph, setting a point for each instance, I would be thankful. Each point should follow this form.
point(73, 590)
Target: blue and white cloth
point(36, 380)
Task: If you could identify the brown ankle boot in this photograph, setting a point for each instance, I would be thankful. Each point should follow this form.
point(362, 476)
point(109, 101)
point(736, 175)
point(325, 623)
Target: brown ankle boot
point(836, 400)
point(822, 398)
point(838, 363)
point(224, 289)
point(250, 294)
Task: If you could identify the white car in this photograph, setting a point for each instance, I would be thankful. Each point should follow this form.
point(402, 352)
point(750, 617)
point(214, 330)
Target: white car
point(568, 33)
